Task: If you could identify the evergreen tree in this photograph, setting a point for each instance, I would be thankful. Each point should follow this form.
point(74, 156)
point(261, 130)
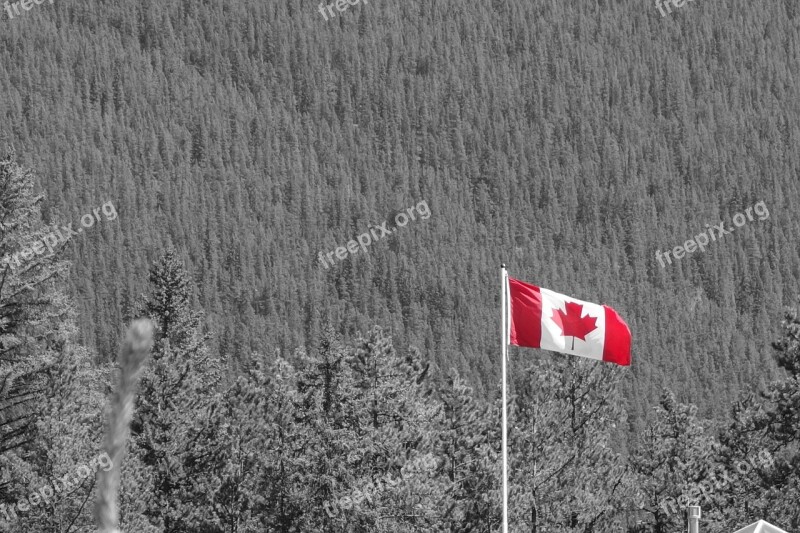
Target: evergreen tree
point(671, 461)
point(50, 391)
point(467, 479)
point(783, 426)
point(565, 473)
point(754, 484)
point(35, 319)
point(179, 388)
point(324, 410)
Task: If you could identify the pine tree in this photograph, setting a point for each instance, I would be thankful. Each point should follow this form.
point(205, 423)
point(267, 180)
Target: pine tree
point(50, 392)
point(565, 473)
point(783, 426)
point(391, 428)
point(324, 410)
point(754, 484)
point(178, 391)
point(672, 460)
point(234, 486)
point(35, 319)
point(467, 479)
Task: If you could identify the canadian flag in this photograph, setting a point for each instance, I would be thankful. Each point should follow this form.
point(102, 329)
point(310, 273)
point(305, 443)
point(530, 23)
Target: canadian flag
point(540, 318)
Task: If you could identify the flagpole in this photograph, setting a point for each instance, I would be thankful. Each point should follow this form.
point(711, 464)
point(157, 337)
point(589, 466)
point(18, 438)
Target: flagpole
point(504, 340)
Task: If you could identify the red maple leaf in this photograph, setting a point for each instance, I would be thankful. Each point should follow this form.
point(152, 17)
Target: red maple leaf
point(572, 324)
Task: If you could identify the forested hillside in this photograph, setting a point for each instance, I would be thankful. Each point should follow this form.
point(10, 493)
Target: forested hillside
point(234, 176)
point(570, 140)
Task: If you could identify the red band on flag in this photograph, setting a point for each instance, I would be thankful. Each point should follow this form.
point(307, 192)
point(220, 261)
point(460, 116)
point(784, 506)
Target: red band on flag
point(525, 305)
point(617, 345)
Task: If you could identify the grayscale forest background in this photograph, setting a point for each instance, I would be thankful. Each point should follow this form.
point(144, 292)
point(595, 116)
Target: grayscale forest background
point(237, 140)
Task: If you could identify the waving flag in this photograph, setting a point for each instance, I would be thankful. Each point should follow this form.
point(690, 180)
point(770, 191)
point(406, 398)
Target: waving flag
point(540, 318)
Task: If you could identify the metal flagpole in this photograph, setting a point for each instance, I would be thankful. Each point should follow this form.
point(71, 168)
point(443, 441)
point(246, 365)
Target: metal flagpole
point(504, 339)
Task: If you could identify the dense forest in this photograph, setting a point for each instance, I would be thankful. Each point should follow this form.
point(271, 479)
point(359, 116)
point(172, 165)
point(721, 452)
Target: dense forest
point(570, 140)
point(357, 437)
point(236, 142)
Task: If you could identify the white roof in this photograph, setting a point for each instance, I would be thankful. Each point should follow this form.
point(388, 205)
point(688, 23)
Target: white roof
point(761, 527)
